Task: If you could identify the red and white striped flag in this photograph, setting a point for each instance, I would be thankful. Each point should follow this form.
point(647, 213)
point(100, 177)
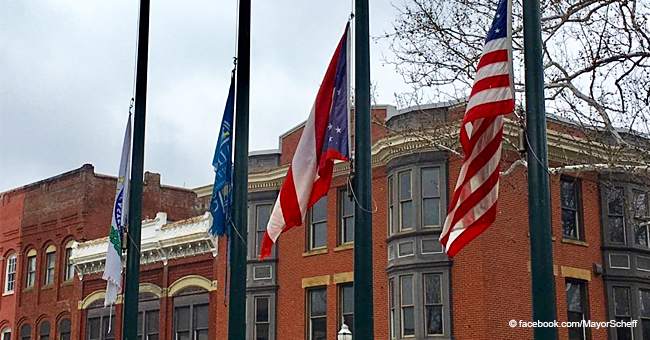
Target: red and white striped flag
point(324, 139)
point(474, 205)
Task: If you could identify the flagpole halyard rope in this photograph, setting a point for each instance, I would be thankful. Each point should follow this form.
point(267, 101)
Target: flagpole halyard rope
point(374, 203)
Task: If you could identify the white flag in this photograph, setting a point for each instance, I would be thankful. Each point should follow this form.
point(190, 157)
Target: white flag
point(113, 269)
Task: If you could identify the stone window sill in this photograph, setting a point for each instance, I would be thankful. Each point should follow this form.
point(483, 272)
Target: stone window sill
point(345, 246)
point(314, 252)
point(576, 242)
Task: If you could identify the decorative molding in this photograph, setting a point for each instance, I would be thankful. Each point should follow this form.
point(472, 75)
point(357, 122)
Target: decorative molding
point(315, 252)
point(576, 273)
point(191, 281)
point(96, 296)
point(150, 288)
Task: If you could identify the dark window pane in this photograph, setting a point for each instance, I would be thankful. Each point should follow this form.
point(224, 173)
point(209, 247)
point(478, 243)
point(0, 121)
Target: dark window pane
point(182, 318)
point(645, 326)
point(318, 300)
point(407, 215)
point(433, 294)
point(202, 334)
point(408, 322)
point(108, 329)
point(405, 185)
point(622, 301)
point(407, 290)
point(262, 309)
point(640, 204)
point(140, 323)
point(153, 321)
point(348, 299)
point(348, 205)
point(576, 333)
point(623, 333)
point(390, 191)
point(430, 185)
point(201, 316)
point(263, 214)
point(262, 332)
point(26, 332)
point(641, 235)
point(152, 337)
point(45, 328)
point(616, 232)
point(319, 210)
point(434, 319)
point(349, 230)
point(573, 297)
point(645, 303)
point(319, 236)
point(258, 241)
point(431, 211)
point(615, 201)
point(319, 329)
point(349, 321)
point(568, 194)
point(93, 328)
point(185, 335)
point(569, 223)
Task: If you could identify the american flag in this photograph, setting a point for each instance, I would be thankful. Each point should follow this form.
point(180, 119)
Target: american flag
point(474, 205)
point(324, 139)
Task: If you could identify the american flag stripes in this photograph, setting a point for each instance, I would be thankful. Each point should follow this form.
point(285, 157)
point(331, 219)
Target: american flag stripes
point(473, 207)
point(324, 139)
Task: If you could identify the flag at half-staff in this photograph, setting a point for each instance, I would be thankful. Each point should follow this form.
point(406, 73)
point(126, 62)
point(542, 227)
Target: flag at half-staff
point(113, 269)
point(221, 201)
point(473, 207)
point(323, 140)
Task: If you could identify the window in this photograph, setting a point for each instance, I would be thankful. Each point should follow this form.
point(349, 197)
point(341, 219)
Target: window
point(433, 304)
point(5, 334)
point(262, 318)
point(317, 231)
point(50, 257)
point(191, 316)
point(640, 215)
point(346, 306)
point(68, 273)
point(64, 329)
point(98, 327)
point(10, 276)
point(262, 215)
point(645, 312)
point(30, 278)
point(391, 307)
point(148, 319)
point(622, 312)
point(431, 197)
point(346, 219)
point(391, 224)
point(317, 314)
point(26, 332)
point(44, 331)
point(571, 208)
point(405, 201)
point(407, 306)
point(577, 307)
point(615, 220)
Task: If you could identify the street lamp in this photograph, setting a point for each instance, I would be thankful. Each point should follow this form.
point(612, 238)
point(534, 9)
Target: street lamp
point(344, 333)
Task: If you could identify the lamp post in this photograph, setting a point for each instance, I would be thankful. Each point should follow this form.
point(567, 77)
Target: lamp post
point(344, 333)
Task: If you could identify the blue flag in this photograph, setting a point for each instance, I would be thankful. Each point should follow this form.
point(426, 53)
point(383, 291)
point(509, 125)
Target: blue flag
point(221, 202)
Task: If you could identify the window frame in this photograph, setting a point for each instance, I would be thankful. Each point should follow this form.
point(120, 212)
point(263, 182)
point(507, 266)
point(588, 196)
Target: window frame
point(403, 306)
point(578, 211)
point(10, 273)
point(310, 226)
point(310, 317)
point(257, 322)
point(341, 314)
point(146, 308)
point(441, 304)
point(41, 327)
point(627, 317)
point(391, 206)
point(401, 201)
point(4, 332)
point(68, 267)
point(30, 270)
point(192, 301)
point(621, 216)
point(62, 331)
point(24, 327)
point(584, 304)
point(637, 221)
point(49, 267)
point(437, 197)
point(342, 196)
point(391, 309)
point(259, 233)
point(104, 315)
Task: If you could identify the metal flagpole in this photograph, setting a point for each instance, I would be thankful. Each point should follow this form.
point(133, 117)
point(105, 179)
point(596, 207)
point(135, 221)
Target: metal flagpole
point(363, 301)
point(130, 321)
point(237, 300)
point(539, 207)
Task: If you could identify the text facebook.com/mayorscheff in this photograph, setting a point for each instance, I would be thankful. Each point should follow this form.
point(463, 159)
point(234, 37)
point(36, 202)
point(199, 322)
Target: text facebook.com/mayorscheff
point(572, 324)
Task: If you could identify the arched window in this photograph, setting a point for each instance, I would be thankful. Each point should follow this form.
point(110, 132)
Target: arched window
point(97, 327)
point(64, 329)
point(68, 269)
point(5, 334)
point(44, 331)
point(191, 314)
point(10, 274)
point(26, 332)
point(50, 259)
point(30, 272)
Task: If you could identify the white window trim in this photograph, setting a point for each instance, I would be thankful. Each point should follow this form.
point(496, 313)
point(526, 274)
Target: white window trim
point(15, 263)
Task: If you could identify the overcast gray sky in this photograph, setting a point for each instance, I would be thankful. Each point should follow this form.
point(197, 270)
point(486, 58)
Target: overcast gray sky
point(66, 78)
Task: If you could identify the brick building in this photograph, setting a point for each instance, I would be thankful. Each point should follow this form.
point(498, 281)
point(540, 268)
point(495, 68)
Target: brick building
point(39, 224)
point(304, 290)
